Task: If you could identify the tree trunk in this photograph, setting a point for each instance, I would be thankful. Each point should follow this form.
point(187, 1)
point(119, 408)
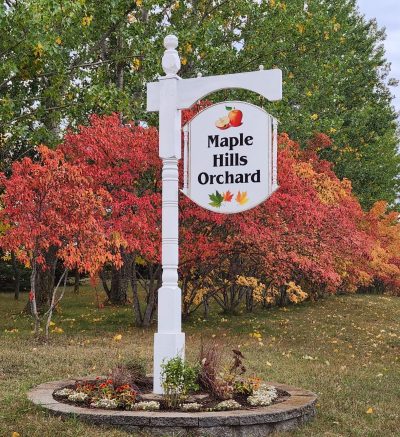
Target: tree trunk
point(103, 277)
point(154, 285)
point(77, 279)
point(135, 293)
point(282, 299)
point(17, 276)
point(249, 300)
point(120, 279)
point(44, 281)
point(205, 307)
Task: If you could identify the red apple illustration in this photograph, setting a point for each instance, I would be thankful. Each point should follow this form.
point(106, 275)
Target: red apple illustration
point(235, 117)
point(222, 123)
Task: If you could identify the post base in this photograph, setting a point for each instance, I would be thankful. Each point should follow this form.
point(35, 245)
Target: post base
point(166, 346)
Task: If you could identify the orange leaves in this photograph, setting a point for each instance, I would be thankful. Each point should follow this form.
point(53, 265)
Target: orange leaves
point(384, 226)
point(295, 292)
point(51, 203)
point(241, 197)
point(227, 196)
point(123, 161)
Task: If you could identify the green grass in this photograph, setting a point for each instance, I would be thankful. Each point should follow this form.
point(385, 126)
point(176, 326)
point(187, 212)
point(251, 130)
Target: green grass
point(353, 340)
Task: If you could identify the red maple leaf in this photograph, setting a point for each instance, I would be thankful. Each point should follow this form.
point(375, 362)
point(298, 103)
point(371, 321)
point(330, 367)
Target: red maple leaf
point(227, 196)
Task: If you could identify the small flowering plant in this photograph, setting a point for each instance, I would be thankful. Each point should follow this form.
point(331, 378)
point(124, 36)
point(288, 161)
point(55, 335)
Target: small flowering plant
point(100, 394)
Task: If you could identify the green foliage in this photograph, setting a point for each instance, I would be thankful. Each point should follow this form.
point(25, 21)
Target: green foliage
point(60, 61)
point(178, 379)
point(216, 199)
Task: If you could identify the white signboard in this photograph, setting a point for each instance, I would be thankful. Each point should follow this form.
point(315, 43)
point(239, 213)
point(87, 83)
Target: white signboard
point(230, 157)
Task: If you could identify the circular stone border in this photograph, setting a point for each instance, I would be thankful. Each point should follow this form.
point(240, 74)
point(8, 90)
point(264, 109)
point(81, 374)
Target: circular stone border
point(298, 408)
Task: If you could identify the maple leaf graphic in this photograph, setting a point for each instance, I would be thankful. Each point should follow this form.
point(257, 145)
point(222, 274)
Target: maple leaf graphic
point(227, 196)
point(216, 199)
point(242, 198)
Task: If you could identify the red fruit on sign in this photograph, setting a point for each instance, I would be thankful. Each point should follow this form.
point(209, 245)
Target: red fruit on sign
point(235, 117)
point(222, 123)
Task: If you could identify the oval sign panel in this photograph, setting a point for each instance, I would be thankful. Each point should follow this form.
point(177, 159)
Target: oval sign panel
point(230, 157)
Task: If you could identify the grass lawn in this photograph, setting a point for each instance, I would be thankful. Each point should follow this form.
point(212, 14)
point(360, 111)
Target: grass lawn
point(345, 348)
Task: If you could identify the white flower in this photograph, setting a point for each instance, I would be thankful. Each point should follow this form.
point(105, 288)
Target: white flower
point(263, 396)
point(64, 392)
point(108, 404)
point(191, 406)
point(146, 406)
point(77, 397)
point(230, 404)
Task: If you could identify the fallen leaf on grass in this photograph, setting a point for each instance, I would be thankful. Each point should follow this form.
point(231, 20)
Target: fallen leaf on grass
point(308, 357)
point(370, 410)
point(117, 337)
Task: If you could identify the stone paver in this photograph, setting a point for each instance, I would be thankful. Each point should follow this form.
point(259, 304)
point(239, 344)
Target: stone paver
point(296, 409)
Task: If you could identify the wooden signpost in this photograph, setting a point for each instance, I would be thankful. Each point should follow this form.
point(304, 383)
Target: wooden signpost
point(230, 166)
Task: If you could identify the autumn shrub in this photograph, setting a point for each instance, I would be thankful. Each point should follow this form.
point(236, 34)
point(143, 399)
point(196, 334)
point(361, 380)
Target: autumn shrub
point(209, 373)
point(311, 237)
point(224, 378)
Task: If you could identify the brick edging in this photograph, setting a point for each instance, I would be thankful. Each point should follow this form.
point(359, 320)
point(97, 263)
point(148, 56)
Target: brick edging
point(298, 408)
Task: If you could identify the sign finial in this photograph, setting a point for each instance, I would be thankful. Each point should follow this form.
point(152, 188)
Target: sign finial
point(170, 61)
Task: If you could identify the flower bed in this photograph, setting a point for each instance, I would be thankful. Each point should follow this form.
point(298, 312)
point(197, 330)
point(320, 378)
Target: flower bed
point(204, 387)
point(105, 394)
point(296, 407)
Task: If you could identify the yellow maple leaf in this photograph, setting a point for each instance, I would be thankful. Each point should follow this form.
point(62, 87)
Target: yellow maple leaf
point(370, 410)
point(242, 198)
point(38, 50)
point(136, 64)
point(117, 337)
point(86, 21)
point(15, 434)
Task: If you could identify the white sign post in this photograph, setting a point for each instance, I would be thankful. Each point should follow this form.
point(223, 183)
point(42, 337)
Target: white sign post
point(169, 96)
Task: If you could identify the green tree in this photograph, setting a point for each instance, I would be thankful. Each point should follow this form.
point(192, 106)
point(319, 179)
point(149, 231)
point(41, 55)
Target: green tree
point(335, 76)
point(60, 61)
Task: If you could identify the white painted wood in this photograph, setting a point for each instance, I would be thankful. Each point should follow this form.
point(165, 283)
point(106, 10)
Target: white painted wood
point(171, 63)
point(275, 154)
point(185, 157)
point(168, 96)
point(269, 135)
point(169, 340)
point(267, 83)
